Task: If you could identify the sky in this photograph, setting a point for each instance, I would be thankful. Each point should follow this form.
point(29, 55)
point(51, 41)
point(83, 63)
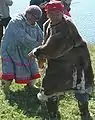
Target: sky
point(82, 12)
point(18, 6)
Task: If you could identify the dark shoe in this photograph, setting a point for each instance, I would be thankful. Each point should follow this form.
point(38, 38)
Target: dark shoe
point(83, 107)
point(52, 108)
point(86, 116)
point(55, 116)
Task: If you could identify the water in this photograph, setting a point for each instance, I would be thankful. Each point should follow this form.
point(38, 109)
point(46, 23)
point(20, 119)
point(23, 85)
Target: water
point(82, 11)
point(83, 15)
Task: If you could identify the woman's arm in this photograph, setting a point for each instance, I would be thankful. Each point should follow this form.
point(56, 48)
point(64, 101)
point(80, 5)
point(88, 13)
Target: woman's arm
point(57, 45)
point(21, 37)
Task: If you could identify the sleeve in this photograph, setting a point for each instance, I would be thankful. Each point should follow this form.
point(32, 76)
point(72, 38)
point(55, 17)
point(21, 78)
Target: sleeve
point(53, 48)
point(9, 2)
point(59, 44)
point(21, 36)
point(74, 33)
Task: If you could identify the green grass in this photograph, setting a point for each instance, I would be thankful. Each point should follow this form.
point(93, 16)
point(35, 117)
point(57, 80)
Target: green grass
point(20, 104)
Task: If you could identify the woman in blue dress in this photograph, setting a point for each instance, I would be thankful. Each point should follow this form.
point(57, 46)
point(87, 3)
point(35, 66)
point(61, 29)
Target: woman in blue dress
point(41, 4)
point(21, 36)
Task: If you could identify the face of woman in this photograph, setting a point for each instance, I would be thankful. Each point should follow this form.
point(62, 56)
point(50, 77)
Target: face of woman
point(55, 15)
point(31, 19)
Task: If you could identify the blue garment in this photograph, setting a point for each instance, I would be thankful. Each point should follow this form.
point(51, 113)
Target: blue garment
point(19, 39)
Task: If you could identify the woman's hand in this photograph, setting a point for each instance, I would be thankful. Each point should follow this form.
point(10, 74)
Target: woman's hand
point(31, 55)
point(41, 63)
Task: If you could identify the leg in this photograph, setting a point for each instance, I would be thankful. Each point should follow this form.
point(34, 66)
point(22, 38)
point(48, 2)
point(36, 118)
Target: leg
point(32, 84)
point(51, 102)
point(52, 107)
point(83, 105)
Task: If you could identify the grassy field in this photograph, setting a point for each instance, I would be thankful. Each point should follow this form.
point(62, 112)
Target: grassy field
point(21, 104)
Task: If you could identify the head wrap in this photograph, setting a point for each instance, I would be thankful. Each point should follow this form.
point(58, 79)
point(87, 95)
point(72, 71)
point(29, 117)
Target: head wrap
point(35, 11)
point(54, 5)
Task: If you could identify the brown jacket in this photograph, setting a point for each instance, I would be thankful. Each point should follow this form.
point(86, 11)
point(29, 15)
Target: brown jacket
point(67, 55)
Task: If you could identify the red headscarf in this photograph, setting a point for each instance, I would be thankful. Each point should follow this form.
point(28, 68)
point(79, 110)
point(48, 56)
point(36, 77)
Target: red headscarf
point(54, 5)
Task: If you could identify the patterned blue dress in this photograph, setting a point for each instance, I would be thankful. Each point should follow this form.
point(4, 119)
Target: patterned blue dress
point(19, 39)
